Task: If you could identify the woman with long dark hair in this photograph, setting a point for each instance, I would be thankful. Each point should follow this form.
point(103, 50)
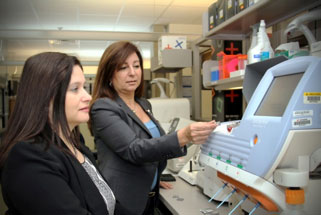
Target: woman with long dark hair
point(45, 167)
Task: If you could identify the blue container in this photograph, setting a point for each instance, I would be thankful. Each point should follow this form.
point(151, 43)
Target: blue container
point(214, 75)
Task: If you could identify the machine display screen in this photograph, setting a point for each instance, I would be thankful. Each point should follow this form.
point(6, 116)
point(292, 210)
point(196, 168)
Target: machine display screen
point(278, 95)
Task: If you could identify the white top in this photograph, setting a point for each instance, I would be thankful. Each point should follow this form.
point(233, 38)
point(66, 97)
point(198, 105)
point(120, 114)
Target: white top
point(101, 184)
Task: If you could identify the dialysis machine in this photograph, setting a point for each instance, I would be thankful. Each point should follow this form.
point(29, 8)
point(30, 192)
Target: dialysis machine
point(271, 158)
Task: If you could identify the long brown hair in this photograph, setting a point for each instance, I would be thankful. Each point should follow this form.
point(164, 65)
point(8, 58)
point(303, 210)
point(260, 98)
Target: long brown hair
point(44, 81)
point(111, 61)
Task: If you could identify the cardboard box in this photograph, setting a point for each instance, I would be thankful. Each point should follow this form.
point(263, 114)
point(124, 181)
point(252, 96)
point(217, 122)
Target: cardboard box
point(206, 98)
point(187, 81)
point(170, 42)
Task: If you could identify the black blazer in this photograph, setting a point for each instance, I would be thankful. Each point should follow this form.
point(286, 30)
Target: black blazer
point(36, 181)
point(128, 156)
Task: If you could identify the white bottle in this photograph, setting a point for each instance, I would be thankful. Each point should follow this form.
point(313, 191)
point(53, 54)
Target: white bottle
point(267, 51)
point(255, 53)
point(253, 44)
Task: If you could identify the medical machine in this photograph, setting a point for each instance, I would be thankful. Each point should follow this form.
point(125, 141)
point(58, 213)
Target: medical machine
point(271, 158)
point(191, 171)
point(176, 164)
point(191, 167)
point(173, 114)
point(194, 173)
point(166, 109)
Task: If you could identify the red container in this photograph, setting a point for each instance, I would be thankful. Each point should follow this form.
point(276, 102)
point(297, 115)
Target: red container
point(226, 64)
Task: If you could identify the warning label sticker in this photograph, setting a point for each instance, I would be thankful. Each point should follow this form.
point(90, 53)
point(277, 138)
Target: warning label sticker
point(312, 98)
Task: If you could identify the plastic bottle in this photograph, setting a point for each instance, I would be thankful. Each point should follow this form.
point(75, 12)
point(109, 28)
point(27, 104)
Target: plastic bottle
point(253, 44)
point(266, 51)
point(255, 53)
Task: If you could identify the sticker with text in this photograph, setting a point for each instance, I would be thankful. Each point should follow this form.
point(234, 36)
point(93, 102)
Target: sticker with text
point(301, 122)
point(298, 113)
point(312, 98)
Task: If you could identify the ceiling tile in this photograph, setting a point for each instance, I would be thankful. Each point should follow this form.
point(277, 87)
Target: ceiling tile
point(131, 28)
point(92, 15)
point(99, 8)
point(177, 14)
point(148, 2)
point(143, 10)
point(199, 3)
point(98, 22)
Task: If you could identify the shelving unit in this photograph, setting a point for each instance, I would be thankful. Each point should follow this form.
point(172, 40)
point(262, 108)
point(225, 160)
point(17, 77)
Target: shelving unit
point(272, 11)
point(228, 83)
point(173, 60)
point(237, 28)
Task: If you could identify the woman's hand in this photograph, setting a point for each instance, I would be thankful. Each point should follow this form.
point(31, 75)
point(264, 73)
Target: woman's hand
point(165, 185)
point(196, 133)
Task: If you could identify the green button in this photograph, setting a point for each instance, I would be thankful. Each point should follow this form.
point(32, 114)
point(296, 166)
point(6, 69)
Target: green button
point(228, 161)
point(218, 157)
point(240, 166)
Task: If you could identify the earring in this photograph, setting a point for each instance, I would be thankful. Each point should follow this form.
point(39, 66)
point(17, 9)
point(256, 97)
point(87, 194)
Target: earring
point(110, 84)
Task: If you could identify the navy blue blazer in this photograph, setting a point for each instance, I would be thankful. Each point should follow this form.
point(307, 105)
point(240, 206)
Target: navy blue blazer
point(36, 181)
point(128, 156)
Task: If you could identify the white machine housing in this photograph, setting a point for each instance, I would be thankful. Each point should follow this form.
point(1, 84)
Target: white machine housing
point(176, 164)
point(166, 109)
point(280, 128)
point(173, 114)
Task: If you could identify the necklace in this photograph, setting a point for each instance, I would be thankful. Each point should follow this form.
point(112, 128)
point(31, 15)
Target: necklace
point(134, 109)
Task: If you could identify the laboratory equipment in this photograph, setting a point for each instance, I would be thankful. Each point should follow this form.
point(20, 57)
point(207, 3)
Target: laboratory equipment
point(299, 23)
point(212, 186)
point(272, 156)
point(166, 109)
point(173, 114)
point(157, 81)
point(191, 169)
point(176, 164)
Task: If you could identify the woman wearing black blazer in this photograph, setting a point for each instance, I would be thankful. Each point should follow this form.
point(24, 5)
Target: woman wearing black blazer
point(132, 147)
point(45, 169)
